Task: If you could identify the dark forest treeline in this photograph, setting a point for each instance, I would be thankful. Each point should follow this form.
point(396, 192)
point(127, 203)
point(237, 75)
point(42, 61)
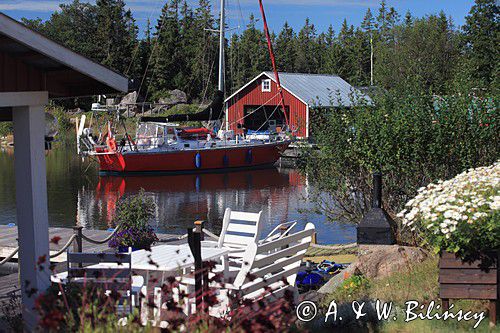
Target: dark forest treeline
point(178, 52)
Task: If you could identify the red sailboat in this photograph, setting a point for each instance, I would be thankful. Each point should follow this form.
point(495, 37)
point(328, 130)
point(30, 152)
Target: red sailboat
point(162, 145)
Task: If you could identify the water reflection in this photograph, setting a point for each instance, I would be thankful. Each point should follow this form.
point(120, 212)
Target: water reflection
point(182, 199)
point(76, 194)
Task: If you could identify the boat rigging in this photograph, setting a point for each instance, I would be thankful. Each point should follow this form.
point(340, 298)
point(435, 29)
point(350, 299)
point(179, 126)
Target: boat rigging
point(162, 145)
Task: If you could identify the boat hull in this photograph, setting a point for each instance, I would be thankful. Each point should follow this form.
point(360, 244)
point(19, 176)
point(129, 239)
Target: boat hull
point(203, 160)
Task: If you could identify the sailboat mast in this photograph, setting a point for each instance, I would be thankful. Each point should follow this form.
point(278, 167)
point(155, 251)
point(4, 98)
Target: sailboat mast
point(222, 41)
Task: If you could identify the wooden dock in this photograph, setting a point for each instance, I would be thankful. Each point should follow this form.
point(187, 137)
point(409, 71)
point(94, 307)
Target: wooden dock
point(8, 240)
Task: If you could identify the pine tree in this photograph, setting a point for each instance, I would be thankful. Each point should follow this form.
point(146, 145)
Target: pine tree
point(144, 56)
point(480, 43)
point(368, 23)
point(116, 34)
point(186, 81)
point(205, 45)
point(408, 18)
point(306, 46)
point(330, 36)
point(167, 56)
point(74, 26)
point(253, 51)
point(285, 49)
point(382, 17)
point(424, 53)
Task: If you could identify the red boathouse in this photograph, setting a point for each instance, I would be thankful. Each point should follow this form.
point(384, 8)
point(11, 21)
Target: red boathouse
point(259, 101)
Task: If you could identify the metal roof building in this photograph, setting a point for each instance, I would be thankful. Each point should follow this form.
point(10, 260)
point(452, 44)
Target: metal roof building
point(253, 105)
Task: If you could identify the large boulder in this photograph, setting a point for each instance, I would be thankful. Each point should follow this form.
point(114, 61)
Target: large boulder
point(174, 97)
point(376, 261)
point(130, 98)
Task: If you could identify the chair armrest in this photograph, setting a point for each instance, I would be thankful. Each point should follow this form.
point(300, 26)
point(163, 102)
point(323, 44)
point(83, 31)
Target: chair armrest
point(209, 244)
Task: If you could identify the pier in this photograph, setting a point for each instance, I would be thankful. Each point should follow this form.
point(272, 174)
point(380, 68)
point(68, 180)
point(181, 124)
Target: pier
point(8, 240)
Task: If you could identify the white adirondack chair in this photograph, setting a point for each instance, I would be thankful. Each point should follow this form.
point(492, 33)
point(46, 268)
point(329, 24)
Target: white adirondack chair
point(269, 264)
point(239, 229)
point(280, 231)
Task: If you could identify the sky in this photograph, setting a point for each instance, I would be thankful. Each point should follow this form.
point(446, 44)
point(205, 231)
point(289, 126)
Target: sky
point(322, 13)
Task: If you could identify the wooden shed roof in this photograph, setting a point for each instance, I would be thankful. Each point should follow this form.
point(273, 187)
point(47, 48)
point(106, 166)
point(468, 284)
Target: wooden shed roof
point(30, 61)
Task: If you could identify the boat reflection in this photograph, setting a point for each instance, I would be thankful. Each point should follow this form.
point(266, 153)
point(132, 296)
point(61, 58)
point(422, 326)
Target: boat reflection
point(182, 199)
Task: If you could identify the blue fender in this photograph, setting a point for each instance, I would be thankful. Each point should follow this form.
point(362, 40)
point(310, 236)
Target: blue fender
point(225, 160)
point(197, 160)
point(197, 183)
point(249, 157)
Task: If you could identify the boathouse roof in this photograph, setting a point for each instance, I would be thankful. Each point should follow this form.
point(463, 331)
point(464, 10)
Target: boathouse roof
point(38, 63)
point(316, 90)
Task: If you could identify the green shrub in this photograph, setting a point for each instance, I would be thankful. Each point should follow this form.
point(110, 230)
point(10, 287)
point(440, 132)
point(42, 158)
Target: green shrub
point(354, 287)
point(6, 128)
point(133, 215)
point(410, 135)
point(63, 120)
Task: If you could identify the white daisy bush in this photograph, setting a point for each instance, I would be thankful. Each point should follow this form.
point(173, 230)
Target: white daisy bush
point(460, 215)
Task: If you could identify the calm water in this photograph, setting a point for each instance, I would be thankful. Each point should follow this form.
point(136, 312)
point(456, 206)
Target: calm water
point(76, 194)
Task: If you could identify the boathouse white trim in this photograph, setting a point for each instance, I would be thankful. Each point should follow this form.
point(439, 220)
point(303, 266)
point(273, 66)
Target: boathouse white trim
point(33, 69)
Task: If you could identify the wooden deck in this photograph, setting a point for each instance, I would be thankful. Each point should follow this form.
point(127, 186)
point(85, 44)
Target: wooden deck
point(8, 240)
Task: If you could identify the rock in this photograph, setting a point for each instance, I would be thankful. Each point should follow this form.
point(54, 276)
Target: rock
point(146, 113)
point(376, 261)
point(337, 280)
point(174, 97)
point(130, 98)
point(129, 112)
point(75, 111)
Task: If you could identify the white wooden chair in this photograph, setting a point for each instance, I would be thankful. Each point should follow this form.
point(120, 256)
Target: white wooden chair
point(280, 231)
point(264, 265)
point(111, 271)
point(239, 229)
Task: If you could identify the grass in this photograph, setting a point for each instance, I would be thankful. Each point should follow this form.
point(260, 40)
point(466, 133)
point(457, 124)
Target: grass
point(317, 255)
point(437, 326)
point(419, 283)
point(338, 258)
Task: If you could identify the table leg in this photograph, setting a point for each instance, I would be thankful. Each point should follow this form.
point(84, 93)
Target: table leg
point(225, 266)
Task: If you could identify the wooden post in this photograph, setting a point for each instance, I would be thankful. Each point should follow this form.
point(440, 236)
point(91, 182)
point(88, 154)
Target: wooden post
point(313, 238)
point(445, 304)
point(194, 239)
point(493, 312)
point(31, 197)
point(283, 229)
point(203, 270)
point(77, 244)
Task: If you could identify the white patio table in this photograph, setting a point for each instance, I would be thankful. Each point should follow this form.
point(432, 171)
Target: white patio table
point(172, 258)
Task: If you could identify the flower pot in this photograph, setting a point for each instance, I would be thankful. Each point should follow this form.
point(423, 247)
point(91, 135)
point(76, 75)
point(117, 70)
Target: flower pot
point(469, 280)
point(124, 249)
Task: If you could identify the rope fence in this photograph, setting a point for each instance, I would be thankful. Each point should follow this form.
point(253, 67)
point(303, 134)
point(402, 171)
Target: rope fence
point(65, 247)
point(102, 241)
point(9, 256)
point(79, 236)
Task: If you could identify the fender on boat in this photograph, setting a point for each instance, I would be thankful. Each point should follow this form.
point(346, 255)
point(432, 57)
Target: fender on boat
point(225, 160)
point(249, 156)
point(197, 160)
